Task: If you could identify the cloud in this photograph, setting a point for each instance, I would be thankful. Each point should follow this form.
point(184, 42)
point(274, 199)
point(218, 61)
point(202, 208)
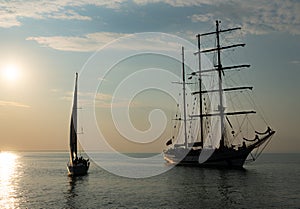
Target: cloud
point(68, 15)
point(55, 90)
point(105, 101)
point(86, 99)
point(202, 17)
point(295, 62)
point(181, 3)
point(13, 104)
point(12, 11)
point(86, 43)
point(102, 100)
point(94, 41)
point(256, 17)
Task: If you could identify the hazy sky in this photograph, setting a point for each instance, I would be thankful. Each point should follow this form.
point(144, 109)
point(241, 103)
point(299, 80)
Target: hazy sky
point(46, 42)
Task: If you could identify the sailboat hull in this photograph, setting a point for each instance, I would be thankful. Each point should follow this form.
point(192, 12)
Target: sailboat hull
point(78, 170)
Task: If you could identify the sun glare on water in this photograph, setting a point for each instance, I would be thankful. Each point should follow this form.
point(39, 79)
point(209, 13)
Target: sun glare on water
point(7, 182)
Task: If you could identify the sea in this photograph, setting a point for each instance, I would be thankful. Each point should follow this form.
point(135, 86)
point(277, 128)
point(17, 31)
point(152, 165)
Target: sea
point(40, 180)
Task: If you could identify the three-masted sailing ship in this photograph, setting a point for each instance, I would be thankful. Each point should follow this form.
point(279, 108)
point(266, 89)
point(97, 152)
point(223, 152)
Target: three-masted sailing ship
point(78, 165)
point(225, 154)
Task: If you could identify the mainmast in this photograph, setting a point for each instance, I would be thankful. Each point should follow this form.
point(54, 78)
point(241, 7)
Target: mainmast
point(200, 90)
point(220, 70)
point(184, 102)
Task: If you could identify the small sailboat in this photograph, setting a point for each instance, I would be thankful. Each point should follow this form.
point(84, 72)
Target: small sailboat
point(226, 153)
point(78, 165)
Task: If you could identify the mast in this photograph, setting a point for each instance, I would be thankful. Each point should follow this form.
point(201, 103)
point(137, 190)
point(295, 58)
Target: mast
point(200, 90)
point(73, 125)
point(184, 102)
point(220, 70)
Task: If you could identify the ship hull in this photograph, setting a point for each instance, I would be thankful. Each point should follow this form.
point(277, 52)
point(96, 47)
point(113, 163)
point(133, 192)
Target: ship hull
point(229, 158)
point(77, 170)
point(220, 157)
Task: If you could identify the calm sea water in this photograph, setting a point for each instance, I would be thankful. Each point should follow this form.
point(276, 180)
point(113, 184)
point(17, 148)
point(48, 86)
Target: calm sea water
point(39, 180)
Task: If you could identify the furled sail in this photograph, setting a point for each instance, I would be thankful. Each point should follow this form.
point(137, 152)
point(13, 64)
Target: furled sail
point(73, 126)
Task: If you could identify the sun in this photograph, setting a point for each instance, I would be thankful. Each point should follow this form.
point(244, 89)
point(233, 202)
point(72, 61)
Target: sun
point(11, 72)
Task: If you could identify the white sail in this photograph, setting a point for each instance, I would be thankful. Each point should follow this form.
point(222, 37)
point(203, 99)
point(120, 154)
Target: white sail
point(78, 165)
point(73, 126)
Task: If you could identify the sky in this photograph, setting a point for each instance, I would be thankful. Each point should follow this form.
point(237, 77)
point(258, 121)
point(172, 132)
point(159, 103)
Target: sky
point(43, 44)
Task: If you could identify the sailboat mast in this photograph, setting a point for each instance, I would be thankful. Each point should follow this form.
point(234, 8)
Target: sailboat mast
point(73, 125)
point(75, 110)
point(200, 91)
point(184, 102)
point(220, 71)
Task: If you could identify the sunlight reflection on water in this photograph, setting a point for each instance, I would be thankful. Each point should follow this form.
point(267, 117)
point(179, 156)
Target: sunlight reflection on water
point(8, 180)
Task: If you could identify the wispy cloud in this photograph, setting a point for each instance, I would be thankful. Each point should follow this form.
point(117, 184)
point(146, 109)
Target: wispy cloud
point(12, 11)
point(55, 90)
point(94, 41)
point(86, 43)
point(105, 101)
point(256, 17)
point(202, 17)
point(101, 100)
point(68, 15)
point(13, 104)
point(181, 3)
point(85, 98)
point(295, 62)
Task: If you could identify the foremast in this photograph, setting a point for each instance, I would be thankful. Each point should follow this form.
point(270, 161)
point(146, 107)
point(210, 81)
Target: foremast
point(183, 83)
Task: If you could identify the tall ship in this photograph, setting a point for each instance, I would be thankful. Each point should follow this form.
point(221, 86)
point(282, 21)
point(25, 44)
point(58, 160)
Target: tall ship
point(77, 165)
point(216, 142)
